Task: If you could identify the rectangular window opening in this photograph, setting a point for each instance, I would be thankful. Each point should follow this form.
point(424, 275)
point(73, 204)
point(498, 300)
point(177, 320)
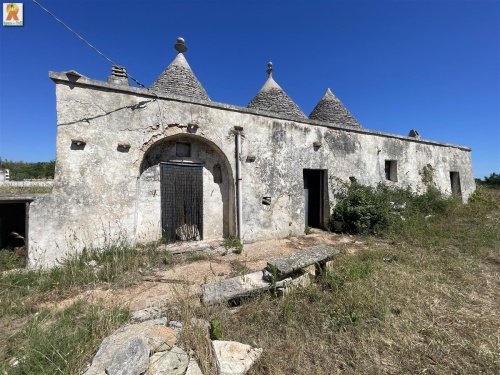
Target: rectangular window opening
point(391, 170)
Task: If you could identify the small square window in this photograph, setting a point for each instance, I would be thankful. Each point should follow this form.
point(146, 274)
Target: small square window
point(183, 150)
point(391, 170)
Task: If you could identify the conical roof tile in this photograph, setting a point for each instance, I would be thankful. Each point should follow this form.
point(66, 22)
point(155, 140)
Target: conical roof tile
point(272, 98)
point(178, 79)
point(330, 109)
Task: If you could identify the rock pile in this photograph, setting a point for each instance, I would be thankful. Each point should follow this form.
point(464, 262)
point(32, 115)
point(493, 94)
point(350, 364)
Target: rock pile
point(150, 347)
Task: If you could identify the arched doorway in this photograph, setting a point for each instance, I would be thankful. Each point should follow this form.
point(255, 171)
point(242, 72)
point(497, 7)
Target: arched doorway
point(186, 191)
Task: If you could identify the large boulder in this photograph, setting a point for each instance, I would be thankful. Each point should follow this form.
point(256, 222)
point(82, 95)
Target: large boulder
point(132, 345)
point(123, 356)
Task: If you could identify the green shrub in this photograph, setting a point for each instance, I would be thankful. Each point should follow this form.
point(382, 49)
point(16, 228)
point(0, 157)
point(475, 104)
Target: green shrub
point(492, 181)
point(361, 210)
point(372, 210)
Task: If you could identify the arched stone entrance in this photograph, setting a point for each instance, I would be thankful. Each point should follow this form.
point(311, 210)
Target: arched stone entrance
point(160, 198)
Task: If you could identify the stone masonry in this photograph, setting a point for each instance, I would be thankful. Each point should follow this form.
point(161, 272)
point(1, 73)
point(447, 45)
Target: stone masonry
point(112, 137)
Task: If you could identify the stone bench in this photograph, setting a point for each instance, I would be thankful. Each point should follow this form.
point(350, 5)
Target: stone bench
point(286, 271)
point(233, 288)
point(290, 264)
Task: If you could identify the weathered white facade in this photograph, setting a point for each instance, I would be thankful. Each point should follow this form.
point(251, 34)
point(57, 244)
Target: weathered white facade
point(112, 139)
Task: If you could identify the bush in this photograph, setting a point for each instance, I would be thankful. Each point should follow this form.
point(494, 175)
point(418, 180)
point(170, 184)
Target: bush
point(492, 181)
point(361, 210)
point(371, 210)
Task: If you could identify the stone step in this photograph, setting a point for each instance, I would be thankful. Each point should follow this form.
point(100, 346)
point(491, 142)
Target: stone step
point(290, 264)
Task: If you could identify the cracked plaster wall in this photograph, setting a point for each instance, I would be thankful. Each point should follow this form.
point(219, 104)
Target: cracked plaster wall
point(101, 195)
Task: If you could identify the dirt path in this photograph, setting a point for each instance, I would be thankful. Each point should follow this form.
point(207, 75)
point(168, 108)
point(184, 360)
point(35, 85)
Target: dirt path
point(185, 279)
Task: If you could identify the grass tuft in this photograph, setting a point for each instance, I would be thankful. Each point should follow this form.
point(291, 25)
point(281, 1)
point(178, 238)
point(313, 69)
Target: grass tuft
point(232, 242)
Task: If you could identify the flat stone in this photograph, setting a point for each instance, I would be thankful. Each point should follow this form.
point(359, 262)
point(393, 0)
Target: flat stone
point(129, 356)
point(294, 262)
point(235, 287)
point(158, 335)
point(173, 362)
point(126, 342)
point(193, 368)
point(131, 359)
point(146, 314)
point(234, 358)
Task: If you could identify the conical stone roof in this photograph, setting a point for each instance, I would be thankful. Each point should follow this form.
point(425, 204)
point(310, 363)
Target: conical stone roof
point(272, 98)
point(330, 109)
point(178, 79)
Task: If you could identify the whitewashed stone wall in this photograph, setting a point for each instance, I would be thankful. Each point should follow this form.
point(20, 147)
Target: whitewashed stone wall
point(101, 195)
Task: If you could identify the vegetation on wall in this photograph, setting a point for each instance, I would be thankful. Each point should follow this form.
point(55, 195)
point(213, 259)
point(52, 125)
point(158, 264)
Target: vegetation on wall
point(21, 170)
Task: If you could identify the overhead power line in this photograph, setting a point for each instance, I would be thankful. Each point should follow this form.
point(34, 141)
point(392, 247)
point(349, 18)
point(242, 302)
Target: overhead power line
point(100, 53)
point(84, 40)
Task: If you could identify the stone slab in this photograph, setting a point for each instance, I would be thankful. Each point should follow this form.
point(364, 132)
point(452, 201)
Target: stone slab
point(173, 362)
point(234, 358)
point(292, 263)
point(235, 287)
point(128, 349)
point(193, 368)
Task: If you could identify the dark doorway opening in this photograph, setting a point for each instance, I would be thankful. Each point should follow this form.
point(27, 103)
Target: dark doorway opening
point(13, 224)
point(316, 198)
point(182, 201)
point(455, 184)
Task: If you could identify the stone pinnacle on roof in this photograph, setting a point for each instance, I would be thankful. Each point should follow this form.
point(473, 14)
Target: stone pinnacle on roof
point(330, 109)
point(178, 79)
point(272, 98)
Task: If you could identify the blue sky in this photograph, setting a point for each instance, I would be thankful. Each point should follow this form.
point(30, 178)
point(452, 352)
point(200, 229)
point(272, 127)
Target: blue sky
point(429, 65)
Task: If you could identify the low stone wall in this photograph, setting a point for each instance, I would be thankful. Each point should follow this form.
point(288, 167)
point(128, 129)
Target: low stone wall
point(28, 183)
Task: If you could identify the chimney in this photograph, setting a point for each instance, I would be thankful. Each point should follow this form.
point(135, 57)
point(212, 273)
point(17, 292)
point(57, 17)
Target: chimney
point(118, 76)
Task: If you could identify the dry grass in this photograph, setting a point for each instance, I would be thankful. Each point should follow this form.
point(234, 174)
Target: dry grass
point(60, 341)
point(432, 309)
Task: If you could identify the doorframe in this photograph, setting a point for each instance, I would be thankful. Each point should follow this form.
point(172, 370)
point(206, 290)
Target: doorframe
point(180, 164)
point(324, 206)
